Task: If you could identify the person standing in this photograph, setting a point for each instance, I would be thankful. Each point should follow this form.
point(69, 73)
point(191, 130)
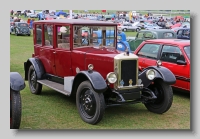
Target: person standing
point(25, 13)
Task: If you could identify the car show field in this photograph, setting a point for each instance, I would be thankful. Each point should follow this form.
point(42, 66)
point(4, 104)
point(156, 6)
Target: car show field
point(54, 110)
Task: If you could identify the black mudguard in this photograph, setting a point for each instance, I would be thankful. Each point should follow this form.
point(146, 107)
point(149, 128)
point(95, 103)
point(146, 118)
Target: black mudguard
point(16, 81)
point(98, 83)
point(38, 66)
point(161, 72)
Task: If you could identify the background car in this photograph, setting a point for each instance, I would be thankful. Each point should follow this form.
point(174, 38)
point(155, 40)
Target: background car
point(20, 28)
point(183, 33)
point(174, 55)
point(151, 34)
point(152, 26)
point(129, 27)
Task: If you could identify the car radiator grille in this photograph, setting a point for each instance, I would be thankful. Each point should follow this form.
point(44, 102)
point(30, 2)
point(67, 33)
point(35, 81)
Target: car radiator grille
point(128, 71)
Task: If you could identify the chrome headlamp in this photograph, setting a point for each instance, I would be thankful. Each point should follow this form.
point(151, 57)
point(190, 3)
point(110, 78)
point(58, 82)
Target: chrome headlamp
point(150, 74)
point(111, 77)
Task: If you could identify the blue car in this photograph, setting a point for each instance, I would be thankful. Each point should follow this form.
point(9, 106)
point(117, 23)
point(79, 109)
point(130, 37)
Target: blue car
point(183, 33)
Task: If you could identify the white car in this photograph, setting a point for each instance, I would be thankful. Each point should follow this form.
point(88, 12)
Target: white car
point(129, 27)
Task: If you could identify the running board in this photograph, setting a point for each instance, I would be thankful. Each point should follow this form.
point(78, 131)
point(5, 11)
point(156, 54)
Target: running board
point(55, 86)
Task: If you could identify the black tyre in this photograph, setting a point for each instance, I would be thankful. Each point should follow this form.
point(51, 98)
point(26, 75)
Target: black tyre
point(164, 96)
point(137, 30)
point(90, 105)
point(15, 109)
point(34, 86)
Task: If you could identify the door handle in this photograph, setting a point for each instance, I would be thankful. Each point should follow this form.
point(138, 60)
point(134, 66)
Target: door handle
point(41, 49)
point(54, 52)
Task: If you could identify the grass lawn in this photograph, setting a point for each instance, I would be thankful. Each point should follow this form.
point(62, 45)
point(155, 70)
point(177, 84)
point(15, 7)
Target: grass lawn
point(52, 110)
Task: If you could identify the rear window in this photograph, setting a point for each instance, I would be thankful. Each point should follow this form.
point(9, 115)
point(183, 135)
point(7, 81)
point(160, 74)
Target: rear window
point(168, 35)
point(23, 25)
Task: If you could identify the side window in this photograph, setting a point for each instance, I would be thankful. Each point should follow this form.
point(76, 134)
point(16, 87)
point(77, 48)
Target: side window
point(179, 32)
point(63, 37)
point(149, 51)
point(171, 54)
point(148, 35)
point(168, 35)
point(38, 32)
point(140, 35)
point(48, 35)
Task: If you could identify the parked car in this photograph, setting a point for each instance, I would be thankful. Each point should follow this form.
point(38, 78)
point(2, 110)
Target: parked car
point(20, 28)
point(129, 27)
point(151, 34)
point(152, 26)
point(174, 55)
point(175, 25)
point(97, 76)
point(183, 33)
point(183, 25)
point(16, 85)
point(138, 24)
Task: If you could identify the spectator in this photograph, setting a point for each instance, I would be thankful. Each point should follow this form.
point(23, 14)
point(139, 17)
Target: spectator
point(25, 13)
point(31, 24)
point(11, 12)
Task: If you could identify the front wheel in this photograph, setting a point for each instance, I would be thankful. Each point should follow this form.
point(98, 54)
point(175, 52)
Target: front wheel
point(15, 109)
point(34, 86)
point(137, 30)
point(90, 104)
point(164, 96)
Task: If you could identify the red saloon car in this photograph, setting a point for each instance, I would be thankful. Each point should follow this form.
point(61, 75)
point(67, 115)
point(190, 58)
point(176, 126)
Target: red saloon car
point(174, 55)
point(98, 76)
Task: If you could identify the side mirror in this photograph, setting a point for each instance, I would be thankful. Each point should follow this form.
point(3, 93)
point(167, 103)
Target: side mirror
point(181, 62)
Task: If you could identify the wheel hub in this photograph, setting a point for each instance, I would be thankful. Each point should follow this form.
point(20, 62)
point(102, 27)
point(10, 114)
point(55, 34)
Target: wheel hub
point(88, 103)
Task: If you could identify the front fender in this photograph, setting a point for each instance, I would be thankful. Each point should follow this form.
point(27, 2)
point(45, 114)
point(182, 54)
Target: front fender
point(38, 66)
point(161, 72)
point(98, 83)
point(16, 81)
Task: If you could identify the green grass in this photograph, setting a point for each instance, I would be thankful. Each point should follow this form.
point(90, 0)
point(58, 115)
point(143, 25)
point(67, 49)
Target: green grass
point(52, 110)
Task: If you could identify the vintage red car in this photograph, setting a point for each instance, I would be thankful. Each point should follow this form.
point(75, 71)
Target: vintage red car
point(98, 76)
point(174, 55)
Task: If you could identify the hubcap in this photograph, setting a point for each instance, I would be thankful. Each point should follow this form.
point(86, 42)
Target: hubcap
point(87, 103)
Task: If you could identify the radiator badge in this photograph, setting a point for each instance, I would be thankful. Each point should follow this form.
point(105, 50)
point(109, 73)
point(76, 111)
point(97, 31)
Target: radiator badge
point(130, 82)
point(121, 83)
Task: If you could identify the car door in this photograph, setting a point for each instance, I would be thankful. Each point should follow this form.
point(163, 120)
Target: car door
point(148, 55)
point(45, 48)
point(169, 56)
point(62, 51)
point(138, 40)
point(130, 28)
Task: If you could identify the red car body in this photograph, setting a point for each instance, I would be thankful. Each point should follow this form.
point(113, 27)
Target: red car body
point(175, 25)
point(181, 71)
point(99, 76)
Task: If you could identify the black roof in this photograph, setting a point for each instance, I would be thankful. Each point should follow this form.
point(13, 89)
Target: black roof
point(76, 21)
